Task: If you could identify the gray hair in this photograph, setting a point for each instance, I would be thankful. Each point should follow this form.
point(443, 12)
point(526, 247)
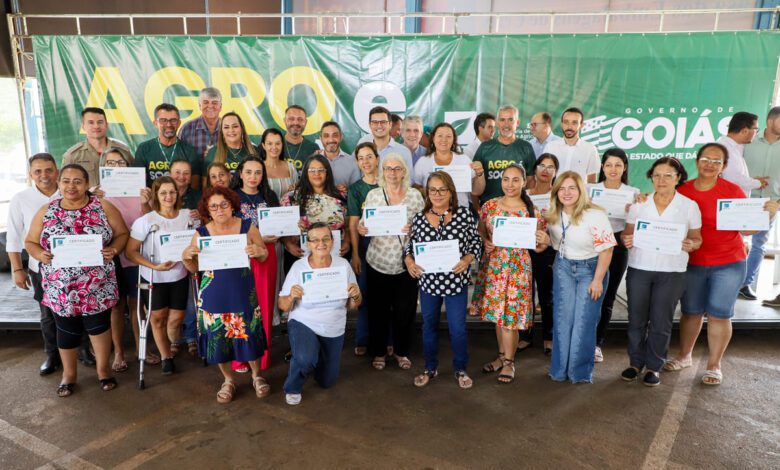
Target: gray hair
point(398, 158)
point(412, 119)
point(509, 107)
point(210, 92)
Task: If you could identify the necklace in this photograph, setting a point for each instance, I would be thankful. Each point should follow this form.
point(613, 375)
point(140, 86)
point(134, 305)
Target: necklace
point(287, 146)
point(237, 153)
point(173, 152)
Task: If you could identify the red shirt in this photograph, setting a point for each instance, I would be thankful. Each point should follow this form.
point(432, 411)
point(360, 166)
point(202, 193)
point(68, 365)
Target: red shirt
point(718, 246)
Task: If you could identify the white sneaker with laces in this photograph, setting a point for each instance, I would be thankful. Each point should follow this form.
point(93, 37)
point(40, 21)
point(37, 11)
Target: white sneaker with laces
point(598, 356)
point(292, 398)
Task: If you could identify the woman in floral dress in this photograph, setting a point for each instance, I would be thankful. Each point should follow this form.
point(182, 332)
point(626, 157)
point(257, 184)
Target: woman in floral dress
point(503, 293)
point(230, 324)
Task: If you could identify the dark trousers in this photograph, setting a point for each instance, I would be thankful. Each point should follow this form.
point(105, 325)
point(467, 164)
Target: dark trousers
point(652, 299)
point(541, 264)
point(48, 327)
point(617, 268)
point(392, 302)
point(312, 354)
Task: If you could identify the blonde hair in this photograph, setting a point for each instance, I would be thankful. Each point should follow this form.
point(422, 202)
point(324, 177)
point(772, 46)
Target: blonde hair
point(398, 158)
point(583, 201)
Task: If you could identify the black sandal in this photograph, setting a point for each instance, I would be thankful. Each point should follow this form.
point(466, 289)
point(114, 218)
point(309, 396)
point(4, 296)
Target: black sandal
point(507, 378)
point(65, 390)
point(490, 368)
point(108, 384)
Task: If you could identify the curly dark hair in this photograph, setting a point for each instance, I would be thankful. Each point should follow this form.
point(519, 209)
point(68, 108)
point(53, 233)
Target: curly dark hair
point(228, 194)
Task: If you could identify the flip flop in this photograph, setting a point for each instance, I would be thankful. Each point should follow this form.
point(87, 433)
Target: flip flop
point(120, 366)
point(677, 365)
point(712, 377)
point(152, 359)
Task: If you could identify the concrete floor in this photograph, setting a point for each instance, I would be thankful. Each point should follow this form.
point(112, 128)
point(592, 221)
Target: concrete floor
point(380, 420)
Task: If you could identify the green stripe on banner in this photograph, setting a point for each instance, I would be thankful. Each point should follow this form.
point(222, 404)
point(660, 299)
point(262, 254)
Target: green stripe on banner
point(651, 95)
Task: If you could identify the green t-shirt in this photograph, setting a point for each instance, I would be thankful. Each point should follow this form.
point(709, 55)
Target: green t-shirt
point(156, 158)
point(298, 153)
point(496, 156)
point(356, 196)
point(234, 157)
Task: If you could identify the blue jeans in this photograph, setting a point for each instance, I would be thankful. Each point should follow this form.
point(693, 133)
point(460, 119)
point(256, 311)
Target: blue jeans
point(576, 316)
point(361, 330)
point(756, 255)
point(456, 322)
point(312, 353)
point(712, 289)
point(189, 325)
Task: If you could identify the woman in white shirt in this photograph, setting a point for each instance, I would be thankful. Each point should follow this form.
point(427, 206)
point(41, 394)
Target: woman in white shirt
point(614, 175)
point(656, 281)
point(391, 291)
point(582, 235)
point(445, 152)
point(171, 282)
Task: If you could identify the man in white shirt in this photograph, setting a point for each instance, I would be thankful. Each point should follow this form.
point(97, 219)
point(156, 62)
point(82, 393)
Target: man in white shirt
point(412, 132)
point(575, 154)
point(742, 130)
point(24, 205)
point(484, 128)
point(541, 129)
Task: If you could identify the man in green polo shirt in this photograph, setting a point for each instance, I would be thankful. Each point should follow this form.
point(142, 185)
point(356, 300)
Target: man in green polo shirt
point(296, 148)
point(156, 155)
point(496, 154)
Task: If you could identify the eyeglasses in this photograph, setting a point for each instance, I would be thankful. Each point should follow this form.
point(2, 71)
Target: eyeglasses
point(116, 163)
point(534, 124)
point(663, 176)
point(706, 160)
point(438, 191)
point(392, 169)
point(317, 241)
point(221, 205)
point(165, 122)
point(545, 167)
point(379, 123)
point(317, 171)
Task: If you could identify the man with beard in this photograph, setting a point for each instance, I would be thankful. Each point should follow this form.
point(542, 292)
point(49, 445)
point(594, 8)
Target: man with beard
point(296, 148)
point(203, 131)
point(575, 154)
point(156, 155)
point(342, 165)
point(496, 154)
point(87, 153)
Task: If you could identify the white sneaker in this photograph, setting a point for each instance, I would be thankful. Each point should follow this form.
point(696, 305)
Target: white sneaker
point(292, 398)
point(598, 356)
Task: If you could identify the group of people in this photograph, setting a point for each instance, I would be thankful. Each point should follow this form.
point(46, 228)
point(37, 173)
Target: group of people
point(210, 177)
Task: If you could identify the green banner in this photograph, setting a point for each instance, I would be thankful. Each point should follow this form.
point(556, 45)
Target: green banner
point(652, 95)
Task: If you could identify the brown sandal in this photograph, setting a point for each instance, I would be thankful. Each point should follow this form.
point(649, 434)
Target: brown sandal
point(491, 366)
point(507, 378)
point(192, 348)
point(262, 389)
point(226, 392)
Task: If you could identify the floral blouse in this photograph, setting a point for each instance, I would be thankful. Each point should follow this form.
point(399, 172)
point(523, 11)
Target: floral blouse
point(71, 292)
point(385, 254)
point(462, 227)
point(320, 208)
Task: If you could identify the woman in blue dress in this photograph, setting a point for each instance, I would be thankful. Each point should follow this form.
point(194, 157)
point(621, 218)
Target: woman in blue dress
point(230, 325)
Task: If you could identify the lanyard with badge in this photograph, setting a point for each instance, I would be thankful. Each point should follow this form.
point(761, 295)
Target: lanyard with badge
point(167, 158)
point(564, 226)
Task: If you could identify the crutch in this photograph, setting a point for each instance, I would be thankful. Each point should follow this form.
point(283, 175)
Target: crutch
point(143, 323)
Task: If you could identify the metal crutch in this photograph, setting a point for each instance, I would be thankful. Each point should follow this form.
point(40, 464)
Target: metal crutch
point(143, 323)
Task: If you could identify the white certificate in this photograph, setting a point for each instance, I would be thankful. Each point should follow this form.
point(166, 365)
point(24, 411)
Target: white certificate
point(541, 201)
point(437, 257)
point(613, 200)
point(336, 243)
point(742, 214)
point(122, 181)
point(385, 220)
point(324, 285)
point(278, 221)
point(514, 232)
point(76, 251)
point(664, 238)
point(172, 245)
point(222, 252)
point(461, 176)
